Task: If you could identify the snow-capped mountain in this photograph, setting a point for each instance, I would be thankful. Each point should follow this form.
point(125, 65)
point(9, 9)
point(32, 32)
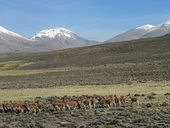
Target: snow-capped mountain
point(59, 38)
point(11, 42)
point(159, 30)
point(132, 34)
point(146, 31)
point(45, 40)
point(53, 33)
point(7, 32)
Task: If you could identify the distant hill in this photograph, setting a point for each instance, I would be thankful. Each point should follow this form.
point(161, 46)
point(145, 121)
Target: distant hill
point(146, 31)
point(140, 60)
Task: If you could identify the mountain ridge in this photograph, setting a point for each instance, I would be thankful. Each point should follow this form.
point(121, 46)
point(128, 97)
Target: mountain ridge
point(62, 38)
point(145, 31)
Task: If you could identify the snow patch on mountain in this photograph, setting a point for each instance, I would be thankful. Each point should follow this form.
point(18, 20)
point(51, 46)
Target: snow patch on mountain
point(167, 22)
point(5, 31)
point(53, 33)
point(146, 27)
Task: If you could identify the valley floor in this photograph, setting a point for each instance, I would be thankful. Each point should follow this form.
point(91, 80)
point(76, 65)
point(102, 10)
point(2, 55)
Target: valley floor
point(150, 113)
point(120, 89)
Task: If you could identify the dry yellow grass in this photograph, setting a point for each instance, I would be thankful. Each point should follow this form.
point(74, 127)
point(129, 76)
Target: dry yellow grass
point(9, 70)
point(30, 94)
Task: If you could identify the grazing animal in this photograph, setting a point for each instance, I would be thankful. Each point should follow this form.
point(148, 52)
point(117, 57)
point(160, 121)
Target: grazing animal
point(72, 105)
point(49, 107)
point(94, 102)
point(41, 106)
point(116, 101)
point(134, 99)
point(59, 106)
point(32, 107)
point(122, 100)
point(7, 106)
point(1, 107)
point(86, 103)
point(18, 107)
point(106, 101)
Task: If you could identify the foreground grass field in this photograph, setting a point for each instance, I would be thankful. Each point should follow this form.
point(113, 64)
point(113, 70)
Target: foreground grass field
point(123, 89)
point(153, 110)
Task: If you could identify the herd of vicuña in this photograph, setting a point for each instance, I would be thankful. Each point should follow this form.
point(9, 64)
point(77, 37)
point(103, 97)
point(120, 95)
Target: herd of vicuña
point(68, 103)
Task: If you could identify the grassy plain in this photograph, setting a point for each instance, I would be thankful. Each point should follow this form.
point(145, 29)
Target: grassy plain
point(140, 88)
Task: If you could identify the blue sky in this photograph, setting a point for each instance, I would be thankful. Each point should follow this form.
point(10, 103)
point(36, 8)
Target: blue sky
point(91, 19)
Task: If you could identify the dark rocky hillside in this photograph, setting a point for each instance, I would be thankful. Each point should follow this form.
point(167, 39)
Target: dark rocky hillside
point(123, 62)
